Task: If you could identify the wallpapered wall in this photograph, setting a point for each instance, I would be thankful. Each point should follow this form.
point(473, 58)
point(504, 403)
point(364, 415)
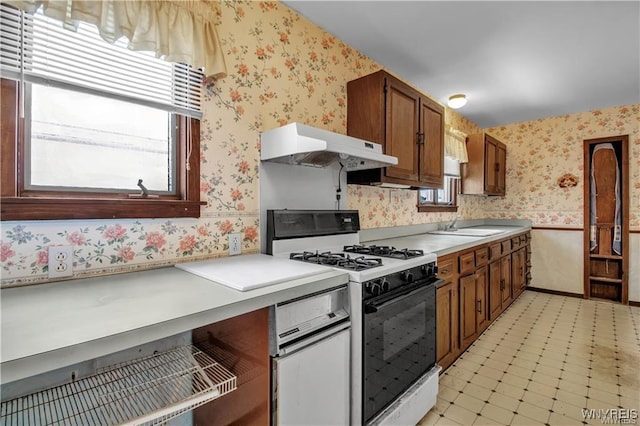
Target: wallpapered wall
point(540, 151)
point(282, 69)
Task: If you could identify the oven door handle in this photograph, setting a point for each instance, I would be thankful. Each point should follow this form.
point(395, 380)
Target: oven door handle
point(372, 306)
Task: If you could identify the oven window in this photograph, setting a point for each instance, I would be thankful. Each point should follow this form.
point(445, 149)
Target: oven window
point(398, 348)
point(403, 331)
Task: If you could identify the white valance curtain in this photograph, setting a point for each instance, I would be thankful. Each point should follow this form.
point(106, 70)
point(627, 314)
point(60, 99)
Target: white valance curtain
point(177, 31)
point(455, 145)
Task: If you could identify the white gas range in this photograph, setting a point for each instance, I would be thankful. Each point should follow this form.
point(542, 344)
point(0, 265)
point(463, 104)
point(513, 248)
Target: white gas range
point(392, 293)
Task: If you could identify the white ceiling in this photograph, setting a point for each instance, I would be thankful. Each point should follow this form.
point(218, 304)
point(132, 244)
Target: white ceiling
point(516, 61)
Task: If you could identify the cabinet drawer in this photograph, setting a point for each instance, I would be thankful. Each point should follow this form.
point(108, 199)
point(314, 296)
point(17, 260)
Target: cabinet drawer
point(482, 256)
point(506, 246)
point(467, 263)
point(515, 243)
point(495, 251)
point(446, 268)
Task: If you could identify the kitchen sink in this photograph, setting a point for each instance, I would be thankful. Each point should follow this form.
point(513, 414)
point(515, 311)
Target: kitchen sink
point(470, 232)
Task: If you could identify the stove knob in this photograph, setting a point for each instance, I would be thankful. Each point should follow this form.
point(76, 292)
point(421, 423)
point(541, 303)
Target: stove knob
point(375, 289)
point(425, 270)
point(407, 276)
point(384, 286)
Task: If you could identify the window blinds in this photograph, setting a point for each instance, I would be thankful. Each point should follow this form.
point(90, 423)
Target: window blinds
point(37, 49)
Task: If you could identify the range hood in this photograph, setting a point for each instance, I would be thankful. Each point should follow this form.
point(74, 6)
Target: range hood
point(300, 144)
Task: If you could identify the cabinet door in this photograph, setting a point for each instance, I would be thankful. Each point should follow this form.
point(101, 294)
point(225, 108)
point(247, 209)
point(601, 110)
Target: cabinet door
point(518, 265)
point(482, 319)
point(495, 289)
point(505, 266)
point(490, 165)
point(431, 143)
point(501, 168)
point(447, 313)
point(522, 255)
point(401, 139)
point(468, 309)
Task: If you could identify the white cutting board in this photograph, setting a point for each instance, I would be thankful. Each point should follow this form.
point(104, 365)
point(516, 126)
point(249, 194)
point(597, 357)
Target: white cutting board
point(251, 271)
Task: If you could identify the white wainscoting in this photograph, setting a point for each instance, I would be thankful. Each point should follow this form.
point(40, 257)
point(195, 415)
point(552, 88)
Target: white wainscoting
point(634, 267)
point(557, 260)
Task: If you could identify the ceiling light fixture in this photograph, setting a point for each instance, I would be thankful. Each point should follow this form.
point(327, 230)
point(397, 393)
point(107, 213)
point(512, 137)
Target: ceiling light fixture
point(457, 101)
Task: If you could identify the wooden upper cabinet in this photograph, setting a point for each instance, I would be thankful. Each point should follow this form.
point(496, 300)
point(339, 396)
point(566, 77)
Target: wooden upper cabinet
point(431, 143)
point(402, 125)
point(408, 125)
point(485, 173)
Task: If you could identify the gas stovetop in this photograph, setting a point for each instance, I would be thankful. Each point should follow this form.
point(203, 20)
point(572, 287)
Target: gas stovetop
point(383, 251)
point(338, 260)
point(330, 238)
point(366, 262)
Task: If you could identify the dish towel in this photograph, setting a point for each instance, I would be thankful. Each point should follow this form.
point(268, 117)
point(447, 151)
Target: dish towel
point(617, 228)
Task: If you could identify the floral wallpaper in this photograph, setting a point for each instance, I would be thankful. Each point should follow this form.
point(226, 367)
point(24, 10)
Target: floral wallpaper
point(541, 151)
point(282, 68)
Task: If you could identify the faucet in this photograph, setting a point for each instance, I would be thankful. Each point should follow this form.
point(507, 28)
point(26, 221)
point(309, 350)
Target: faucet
point(452, 226)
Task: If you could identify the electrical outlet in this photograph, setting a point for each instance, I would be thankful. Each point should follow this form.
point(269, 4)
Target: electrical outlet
point(235, 244)
point(60, 261)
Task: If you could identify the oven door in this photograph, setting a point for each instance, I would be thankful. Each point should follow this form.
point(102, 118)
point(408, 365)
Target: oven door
point(399, 343)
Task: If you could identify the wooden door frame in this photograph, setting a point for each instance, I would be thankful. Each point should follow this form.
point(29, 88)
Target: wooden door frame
point(624, 181)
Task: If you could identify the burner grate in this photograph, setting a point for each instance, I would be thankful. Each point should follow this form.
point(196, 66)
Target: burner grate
point(383, 251)
point(339, 260)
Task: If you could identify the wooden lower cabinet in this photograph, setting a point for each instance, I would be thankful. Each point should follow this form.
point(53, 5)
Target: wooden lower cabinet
point(501, 292)
point(473, 306)
point(518, 271)
point(495, 289)
point(447, 313)
point(505, 272)
point(474, 292)
point(482, 319)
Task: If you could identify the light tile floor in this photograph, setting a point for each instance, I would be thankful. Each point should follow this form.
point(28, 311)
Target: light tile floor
point(543, 361)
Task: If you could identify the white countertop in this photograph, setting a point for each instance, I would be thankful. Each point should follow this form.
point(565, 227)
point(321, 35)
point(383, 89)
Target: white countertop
point(45, 327)
point(50, 326)
point(445, 244)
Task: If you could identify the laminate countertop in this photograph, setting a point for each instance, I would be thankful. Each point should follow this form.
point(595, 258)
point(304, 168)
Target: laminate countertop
point(49, 326)
point(450, 243)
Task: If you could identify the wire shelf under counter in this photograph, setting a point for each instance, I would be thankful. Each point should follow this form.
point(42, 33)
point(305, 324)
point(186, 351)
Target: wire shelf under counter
point(145, 391)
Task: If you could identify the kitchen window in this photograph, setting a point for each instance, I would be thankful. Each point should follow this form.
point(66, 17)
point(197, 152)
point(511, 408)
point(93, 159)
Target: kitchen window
point(440, 200)
point(84, 120)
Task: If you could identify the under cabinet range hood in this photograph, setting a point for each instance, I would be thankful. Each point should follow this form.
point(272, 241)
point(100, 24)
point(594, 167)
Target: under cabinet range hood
point(297, 143)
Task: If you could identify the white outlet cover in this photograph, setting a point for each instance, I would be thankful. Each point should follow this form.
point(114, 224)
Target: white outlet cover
point(235, 244)
point(60, 261)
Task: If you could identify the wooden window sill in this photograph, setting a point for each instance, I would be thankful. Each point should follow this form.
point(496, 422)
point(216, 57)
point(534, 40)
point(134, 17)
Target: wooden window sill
point(44, 208)
point(442, 209)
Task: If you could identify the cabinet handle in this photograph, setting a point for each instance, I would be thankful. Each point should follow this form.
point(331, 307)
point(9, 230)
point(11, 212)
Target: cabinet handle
point(497, 167)
point(479, 306)
point(420, 138)
point(502, 284)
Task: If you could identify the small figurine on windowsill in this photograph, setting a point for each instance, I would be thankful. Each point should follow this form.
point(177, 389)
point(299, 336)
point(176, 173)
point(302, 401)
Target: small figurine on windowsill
point(144, 192)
